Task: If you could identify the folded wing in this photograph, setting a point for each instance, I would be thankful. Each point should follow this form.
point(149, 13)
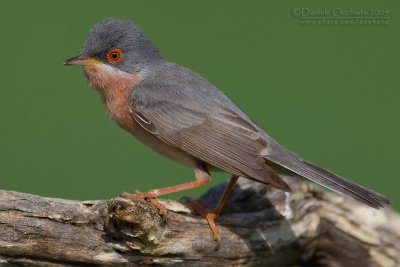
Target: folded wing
point(208, 130)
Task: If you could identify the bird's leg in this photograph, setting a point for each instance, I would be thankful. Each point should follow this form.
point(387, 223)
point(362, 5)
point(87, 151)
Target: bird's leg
point(202, 178)
point(212, 215)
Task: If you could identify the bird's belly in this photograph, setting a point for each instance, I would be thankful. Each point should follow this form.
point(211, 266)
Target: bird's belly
point(161, 147)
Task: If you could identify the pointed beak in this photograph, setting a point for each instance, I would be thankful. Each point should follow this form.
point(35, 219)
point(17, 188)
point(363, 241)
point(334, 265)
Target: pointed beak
point(79, 60)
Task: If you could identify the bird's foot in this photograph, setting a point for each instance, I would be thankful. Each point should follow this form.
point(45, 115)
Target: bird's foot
point(150, 196)
point(210, 215)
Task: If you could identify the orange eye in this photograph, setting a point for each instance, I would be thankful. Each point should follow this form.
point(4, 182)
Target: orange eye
point(114, 56)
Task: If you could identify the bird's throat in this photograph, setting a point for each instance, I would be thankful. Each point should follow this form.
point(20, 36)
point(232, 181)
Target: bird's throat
point(114, 87)
point(110, 81)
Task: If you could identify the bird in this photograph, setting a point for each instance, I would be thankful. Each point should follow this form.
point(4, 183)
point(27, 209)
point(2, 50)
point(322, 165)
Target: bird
point(184, 117)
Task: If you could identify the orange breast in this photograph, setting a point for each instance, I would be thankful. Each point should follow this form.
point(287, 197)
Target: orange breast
point(114, 87)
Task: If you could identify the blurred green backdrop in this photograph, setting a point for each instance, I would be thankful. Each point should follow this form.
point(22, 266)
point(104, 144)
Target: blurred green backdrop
point(330, 93)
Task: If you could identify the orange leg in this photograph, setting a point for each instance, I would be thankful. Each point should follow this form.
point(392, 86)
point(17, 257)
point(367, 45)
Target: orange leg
point(202, 178)
point(212, 215)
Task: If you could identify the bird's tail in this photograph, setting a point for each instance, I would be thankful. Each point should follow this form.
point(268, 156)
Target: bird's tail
point(292, 162)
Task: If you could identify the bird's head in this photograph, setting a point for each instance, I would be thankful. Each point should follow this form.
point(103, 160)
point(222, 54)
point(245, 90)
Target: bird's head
point(115, 49)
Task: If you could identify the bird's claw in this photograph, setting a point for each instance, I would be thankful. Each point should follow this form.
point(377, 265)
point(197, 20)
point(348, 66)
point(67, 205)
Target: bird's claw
point(148, 196)
point(207, 214)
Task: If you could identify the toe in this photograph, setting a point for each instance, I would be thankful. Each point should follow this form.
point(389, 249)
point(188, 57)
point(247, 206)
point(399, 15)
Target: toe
point(210, 215)
point(211, 218)
point(148, 196)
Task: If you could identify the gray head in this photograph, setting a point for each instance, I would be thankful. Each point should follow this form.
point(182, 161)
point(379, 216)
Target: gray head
point(118, 43)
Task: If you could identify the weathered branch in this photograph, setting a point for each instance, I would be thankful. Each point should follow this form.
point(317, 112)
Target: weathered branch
point(259, 226)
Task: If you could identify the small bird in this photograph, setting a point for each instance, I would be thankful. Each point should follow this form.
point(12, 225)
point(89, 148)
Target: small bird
point(184, 117)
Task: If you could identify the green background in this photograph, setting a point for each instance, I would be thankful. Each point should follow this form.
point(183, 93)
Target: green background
point(330, 93)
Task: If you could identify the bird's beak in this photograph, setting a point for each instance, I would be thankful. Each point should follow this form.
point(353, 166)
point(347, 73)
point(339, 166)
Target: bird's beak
point(79, 60)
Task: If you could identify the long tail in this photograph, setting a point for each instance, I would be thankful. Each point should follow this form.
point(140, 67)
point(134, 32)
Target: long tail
point(288, 160)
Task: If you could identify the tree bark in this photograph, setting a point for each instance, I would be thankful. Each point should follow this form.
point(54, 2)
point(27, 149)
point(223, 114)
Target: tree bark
point(259, 226)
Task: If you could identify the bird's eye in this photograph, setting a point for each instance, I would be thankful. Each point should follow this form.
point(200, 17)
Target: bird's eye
point(114, 56)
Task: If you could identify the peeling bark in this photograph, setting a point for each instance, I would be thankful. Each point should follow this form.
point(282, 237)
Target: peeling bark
point(259, 227)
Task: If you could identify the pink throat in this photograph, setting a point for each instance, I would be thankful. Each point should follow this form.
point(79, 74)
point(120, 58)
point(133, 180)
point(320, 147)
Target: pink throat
point(114, 87)
point(110, 82)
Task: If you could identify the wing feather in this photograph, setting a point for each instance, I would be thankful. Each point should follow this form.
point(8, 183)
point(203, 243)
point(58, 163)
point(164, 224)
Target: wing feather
point(185, 111)
point(210, 132)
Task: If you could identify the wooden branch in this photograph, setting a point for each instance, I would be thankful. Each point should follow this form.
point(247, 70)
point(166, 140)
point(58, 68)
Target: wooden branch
point(259, 226)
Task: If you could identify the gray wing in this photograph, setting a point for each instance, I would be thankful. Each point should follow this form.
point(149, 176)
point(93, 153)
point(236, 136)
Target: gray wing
point(187, 112)
point(205, 125)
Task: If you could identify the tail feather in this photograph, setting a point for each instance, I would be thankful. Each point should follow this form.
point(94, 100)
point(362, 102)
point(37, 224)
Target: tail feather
point(308, 170)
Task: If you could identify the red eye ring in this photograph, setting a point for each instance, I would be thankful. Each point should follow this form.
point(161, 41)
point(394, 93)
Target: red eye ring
point(114, 55)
